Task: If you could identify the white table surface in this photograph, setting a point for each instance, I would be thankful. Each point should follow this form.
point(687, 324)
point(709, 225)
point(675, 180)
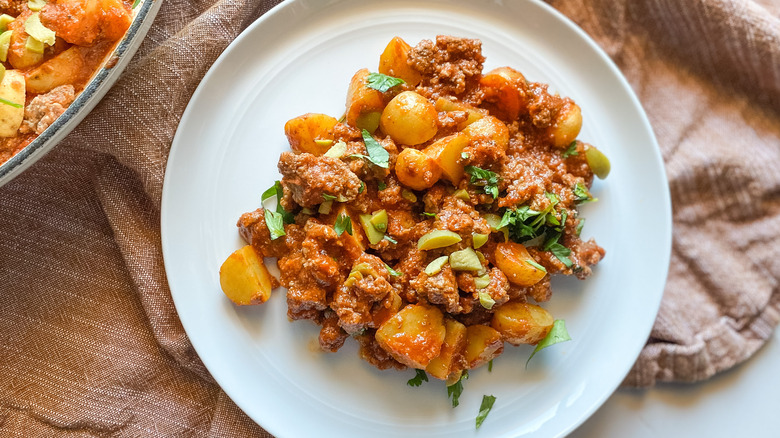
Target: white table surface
point(741, 402)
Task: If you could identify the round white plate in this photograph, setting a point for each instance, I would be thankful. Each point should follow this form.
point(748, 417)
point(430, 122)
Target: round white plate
point(299, 58)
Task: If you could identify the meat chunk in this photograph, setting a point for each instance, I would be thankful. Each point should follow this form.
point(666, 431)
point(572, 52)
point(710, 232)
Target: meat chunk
point(45, 108)
point(450, 67)
point(354, 300)
point(308, 177)
point(441, 288)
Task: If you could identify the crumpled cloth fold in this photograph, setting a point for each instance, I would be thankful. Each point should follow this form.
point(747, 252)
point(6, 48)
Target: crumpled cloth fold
point(90, 343)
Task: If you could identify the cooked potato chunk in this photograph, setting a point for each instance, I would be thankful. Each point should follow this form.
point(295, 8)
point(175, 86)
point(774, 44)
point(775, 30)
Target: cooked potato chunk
point(518, 266)
point(416, 170)
point(393, 62)
point(567, 125)
point(409, 119)
point(445, 105)
point(312, 133)
point(364, 104)
point(446, 152)
point(504, 87)
point(414, 335)
point(244, 278)
point(64, 68)
point(12, 90)
point(522, 323)
point(450, 360)
point(483, 344)
point(489, 128)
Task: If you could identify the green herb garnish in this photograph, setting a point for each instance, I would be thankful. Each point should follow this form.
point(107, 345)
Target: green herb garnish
point(558, 334)
point(362, 187)
point(328, 197)
point(581, 194)
point(425, 213)
point(558, 250)
point(490, 366)
point(536, 265)
point(382, 82)
point(456, 389)
point(395, 273)
point(484, 178)
point(580, 224)
point(376, 153)
point(381, 185)
point(571, 151)
point(390, 239)
point(275, 220)
point(484, 408)
point(418, 378)
point(275, 223)
point(343, 223)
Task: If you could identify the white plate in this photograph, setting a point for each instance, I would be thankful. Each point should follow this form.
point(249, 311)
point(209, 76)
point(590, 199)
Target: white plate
point(299, 58)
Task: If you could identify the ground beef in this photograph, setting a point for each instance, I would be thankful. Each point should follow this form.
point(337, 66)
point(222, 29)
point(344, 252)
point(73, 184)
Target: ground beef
point(45, 108)
point(307, 178)
point(450, 67)
point(441, 289)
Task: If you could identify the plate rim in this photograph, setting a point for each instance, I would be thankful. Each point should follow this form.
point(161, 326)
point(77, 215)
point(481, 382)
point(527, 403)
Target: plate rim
point(666, 218)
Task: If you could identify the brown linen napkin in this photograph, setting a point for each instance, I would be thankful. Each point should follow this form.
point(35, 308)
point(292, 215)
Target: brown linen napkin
point(90, 343)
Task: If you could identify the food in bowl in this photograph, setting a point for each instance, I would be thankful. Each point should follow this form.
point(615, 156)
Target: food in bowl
point(49, 51)
point(427, 222)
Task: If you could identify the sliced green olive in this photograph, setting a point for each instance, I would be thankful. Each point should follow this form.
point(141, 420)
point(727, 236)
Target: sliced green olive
point(598, 162)
point(465, 260)
point(479, 239)
point(493, 221)
point(323, 142)
point(5, 19)
point(408, 195)
point(436, 266)
point(38, 31)
point(34, 45)
point(368, 121)
point(438, 239)
point(482, 281)
point(379, 220)
point(486, 300)
point(36, 5)
point(325, 207)
point(374, 235)
point(462, 194)
point(338, 150)
point(5, 42)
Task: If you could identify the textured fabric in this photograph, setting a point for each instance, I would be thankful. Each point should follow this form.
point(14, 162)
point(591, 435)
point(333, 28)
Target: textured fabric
point(90, 343)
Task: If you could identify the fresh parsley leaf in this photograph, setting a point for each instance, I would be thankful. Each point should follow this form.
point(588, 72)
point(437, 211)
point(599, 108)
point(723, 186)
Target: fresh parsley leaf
point(557, 334)
point(328, 197)
point(418, 378)
point(390, 239)
point(571, 151)
point(362, 187)
point(536, 265)
point(484, 178)
point(275, 223)
point(278, 191)
point(484, 408)
point(343, 223)
point(580, 224)
point(425, 213)
point(381, 185)
point(382, 82)
point(376, 153)
point(456, 389)
point(558, 250)
point(395, 273)
point(581, 194)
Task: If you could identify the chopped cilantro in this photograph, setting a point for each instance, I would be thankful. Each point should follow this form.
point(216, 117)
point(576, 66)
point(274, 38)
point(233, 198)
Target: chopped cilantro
point(376, 153)
point(381, 185)
point(362, 187)
point(418, 378)
point(456, 389)
point(390, 239)
point(286, 217)
point(581, 194)
point(382, 82)
point(558, 250)
point(328, 197)
point(394, 273)
point(580, 224)
point(343, 223)
point(425, 213)
point(484, 178)
point(557, 334)
point(484, 408)
point(275, 223)
point(571, 151)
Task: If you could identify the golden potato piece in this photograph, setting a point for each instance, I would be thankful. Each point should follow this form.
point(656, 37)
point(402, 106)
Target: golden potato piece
point(312, 133)
point(567, 125)
point(445, 105)
point(414, 335)
point(491, 129)
point(244, 278)
point(65, 68)
point(522, 323)
point(409, 119)
point(416, 170)
point(483, 344)
point(518, 266)
point(364, 104)
point(11, 89)
point(504, 88)
point(446, 152)
point(394, 62)
point(450, 361)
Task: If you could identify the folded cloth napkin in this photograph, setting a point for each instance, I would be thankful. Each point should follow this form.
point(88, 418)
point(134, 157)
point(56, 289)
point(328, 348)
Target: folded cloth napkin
point(90, 343)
